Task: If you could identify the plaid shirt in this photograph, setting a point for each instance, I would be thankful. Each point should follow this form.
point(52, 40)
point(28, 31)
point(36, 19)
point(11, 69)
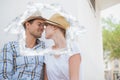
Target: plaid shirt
point(14, 66)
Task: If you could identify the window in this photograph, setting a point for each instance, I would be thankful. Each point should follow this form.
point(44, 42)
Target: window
point(106, 65)
point(116, 63)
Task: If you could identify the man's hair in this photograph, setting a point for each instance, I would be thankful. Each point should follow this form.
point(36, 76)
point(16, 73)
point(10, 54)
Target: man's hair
point(30, 21)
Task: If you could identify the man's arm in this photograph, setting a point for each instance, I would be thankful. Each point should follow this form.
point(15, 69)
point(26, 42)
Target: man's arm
point(6, 62)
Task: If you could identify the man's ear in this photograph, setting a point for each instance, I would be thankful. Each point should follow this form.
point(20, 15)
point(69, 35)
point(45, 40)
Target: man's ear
point(27, 24)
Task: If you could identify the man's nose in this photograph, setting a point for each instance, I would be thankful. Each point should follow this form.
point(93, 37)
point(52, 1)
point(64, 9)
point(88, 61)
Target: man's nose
point(41, 28)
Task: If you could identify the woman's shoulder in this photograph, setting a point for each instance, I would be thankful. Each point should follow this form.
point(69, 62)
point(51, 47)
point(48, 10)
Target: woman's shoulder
point(74, 49)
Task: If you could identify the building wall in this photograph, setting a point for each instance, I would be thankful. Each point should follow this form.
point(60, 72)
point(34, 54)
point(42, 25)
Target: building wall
point(90, 43)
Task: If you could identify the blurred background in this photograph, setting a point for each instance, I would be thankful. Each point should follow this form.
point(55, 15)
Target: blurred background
point(110, 22)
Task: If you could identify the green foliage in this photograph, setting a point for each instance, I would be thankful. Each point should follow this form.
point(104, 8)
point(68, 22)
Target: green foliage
point(111, 37)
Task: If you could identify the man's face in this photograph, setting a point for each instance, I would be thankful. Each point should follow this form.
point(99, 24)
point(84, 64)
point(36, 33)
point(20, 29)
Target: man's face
point(35, 28)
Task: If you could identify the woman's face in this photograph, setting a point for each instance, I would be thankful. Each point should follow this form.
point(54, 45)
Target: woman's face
point(49, 31)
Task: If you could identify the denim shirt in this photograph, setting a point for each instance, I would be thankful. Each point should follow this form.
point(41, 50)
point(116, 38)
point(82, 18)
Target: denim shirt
point(14, 66)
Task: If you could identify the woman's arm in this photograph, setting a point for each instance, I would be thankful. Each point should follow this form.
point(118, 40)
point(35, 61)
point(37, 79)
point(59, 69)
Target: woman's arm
point(74, 66)
point(45, 73)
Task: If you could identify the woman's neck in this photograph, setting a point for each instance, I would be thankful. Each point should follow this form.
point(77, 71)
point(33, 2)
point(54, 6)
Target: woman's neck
point(60, 42)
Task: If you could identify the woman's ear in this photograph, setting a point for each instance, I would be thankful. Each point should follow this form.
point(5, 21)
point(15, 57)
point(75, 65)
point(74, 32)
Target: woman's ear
point(55, 27)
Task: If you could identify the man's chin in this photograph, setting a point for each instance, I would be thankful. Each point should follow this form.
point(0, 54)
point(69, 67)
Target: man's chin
point(38, 36)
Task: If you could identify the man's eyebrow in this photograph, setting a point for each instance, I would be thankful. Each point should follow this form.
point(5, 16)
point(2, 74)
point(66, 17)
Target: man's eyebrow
point(40, 22)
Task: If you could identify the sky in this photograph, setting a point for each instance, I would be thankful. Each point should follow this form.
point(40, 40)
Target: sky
point(114, 11)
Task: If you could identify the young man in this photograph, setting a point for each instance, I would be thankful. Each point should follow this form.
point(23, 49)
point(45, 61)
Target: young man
point(13, 65)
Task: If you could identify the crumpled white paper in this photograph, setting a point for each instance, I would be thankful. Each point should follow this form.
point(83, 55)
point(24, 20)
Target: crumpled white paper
point(73, 33)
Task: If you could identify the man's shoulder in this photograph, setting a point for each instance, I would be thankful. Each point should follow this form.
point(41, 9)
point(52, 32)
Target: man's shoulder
point(11, 43)
point(9, 47)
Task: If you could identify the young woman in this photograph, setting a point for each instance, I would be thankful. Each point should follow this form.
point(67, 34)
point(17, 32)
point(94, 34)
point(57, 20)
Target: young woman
point(65, 66)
